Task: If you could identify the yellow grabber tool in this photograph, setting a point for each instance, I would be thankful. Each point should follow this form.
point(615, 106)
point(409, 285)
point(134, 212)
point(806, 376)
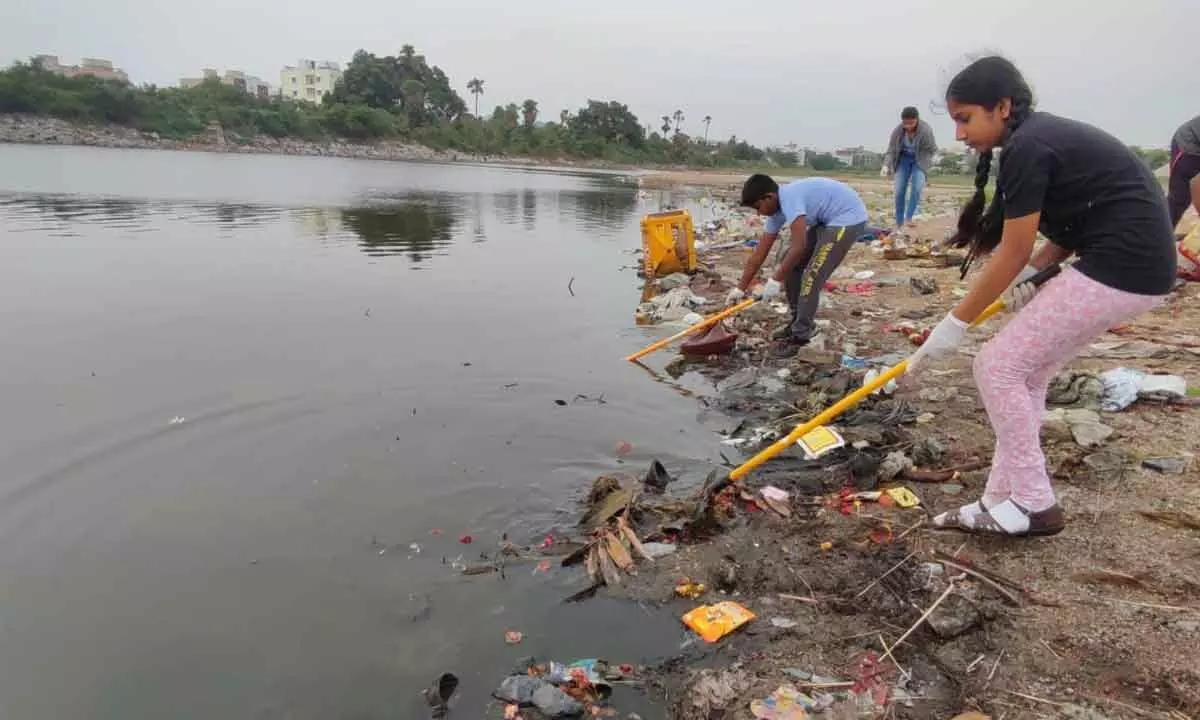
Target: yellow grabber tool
point(706, 322)
point(816, 425)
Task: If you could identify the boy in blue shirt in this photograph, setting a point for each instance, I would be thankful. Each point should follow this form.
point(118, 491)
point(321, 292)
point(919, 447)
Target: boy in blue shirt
point(826, 217)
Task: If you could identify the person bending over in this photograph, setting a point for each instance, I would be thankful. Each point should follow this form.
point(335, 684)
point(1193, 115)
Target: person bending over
point(1183, 187)
point(826, 217)
point(1092, 198)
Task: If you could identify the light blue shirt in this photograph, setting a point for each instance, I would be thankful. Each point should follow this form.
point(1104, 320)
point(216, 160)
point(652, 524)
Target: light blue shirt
point(821, 201)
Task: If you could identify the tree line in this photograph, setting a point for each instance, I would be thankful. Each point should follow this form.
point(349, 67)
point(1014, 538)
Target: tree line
point(398, 96)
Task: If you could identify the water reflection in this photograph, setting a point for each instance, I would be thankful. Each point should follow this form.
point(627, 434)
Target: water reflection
point(612, 210)
point(418, 227)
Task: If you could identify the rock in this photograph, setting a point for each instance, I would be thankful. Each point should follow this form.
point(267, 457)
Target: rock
point(1167, 465)
point(672, 281)
point(923, 286)
point(892, 465)
point(1090, 434)
point(953, 617)
point(938, 394)
point(925, 418)
point(740, 380)
point(927, 452)
point(1079, 415)
point(726, 576)
point(657, 550)
point(1057, 430)
point(1081, 390)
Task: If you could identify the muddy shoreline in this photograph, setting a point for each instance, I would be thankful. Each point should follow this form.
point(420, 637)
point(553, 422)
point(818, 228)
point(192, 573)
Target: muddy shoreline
point(1094, 623)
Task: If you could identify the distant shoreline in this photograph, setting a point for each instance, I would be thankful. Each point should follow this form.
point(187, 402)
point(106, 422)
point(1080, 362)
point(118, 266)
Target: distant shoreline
point(39, 130)
point(42, 130)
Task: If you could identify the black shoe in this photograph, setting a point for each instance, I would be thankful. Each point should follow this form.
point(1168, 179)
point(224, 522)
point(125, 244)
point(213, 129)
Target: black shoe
point(439, 694)
point(787, 347)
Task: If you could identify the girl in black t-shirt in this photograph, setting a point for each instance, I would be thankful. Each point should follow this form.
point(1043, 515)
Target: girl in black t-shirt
point(1092, 198)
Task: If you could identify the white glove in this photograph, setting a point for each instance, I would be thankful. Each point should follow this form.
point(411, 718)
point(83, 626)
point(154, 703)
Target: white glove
point(1021, 291)
point(940, 343)
point(735, 296)
point(884, 171)
point(770, 290)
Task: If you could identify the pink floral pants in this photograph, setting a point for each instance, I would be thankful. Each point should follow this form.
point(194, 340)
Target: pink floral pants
point(1014, 369)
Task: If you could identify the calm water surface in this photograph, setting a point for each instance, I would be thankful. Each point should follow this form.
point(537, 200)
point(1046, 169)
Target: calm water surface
point(238, 394)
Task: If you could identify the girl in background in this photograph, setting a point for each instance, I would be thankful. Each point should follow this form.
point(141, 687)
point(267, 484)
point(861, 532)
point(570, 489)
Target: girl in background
point(1093, 199)
point(910, 155)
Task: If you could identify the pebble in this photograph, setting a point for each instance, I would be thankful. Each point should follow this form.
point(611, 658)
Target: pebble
point(924, 418)
point(1170, 466)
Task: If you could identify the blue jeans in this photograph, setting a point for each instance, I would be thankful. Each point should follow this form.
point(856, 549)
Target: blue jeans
point(908, 172)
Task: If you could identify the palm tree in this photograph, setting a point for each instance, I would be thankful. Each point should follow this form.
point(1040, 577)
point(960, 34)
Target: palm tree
point(563, 117)
point(475, 87)
point(678, 117)
point(707, 122)
point(666, 126)
point(529, 112)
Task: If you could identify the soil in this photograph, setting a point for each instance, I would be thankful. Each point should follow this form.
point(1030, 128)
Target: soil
point(1107, 613)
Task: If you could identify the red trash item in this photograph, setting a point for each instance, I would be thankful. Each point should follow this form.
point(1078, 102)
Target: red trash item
point(466, 539)
point(717, 341)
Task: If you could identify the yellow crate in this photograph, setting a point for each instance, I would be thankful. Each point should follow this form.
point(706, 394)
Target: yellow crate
point(668, 243)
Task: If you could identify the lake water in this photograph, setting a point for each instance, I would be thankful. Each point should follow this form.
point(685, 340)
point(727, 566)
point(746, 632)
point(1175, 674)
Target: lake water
point(239, 392)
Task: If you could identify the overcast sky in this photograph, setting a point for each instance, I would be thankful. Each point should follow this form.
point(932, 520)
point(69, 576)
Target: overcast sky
point(820, 74)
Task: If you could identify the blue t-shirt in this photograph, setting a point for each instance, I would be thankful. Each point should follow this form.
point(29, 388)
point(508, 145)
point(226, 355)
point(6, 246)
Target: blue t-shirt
point(822, 201)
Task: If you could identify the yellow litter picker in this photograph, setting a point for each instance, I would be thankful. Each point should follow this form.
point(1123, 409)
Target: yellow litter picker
point(814, 436)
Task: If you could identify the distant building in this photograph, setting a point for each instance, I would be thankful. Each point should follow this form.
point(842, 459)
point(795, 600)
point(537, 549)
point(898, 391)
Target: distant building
point(309, 80)
point(238, 79)
point(858, 157)
point(87, 67)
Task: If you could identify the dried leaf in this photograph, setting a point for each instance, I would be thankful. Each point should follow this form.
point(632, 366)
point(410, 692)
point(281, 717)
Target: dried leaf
point(1111, 577)
point(607, 569)
point(634, 544)
point(593, 564)
point(1173, 518)
point(617, 551)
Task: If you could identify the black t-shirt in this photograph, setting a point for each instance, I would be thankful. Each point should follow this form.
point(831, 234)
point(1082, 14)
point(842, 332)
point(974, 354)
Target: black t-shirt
point(1097, 199)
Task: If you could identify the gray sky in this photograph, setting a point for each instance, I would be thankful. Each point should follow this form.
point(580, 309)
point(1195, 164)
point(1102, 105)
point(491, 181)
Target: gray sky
point(821, 74)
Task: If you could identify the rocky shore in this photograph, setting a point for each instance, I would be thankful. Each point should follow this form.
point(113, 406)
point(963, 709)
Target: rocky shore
point(34, 130)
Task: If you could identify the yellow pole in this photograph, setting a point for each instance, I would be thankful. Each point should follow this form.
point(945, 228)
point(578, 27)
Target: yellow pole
point(839, 407)
point(710, 320)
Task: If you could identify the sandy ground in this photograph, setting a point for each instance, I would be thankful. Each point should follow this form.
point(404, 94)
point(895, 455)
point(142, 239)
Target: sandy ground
point(1109, 611)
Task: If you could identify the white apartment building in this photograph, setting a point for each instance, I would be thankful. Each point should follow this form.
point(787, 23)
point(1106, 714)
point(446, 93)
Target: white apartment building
point(309, 80)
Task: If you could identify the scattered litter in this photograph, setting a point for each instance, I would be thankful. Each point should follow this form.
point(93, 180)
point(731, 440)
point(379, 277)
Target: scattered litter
point(513, 637)
point(713, 622)
point(466, 539)
point(690, 590)
point(888, 388)
point(177, 420)
point(864, 275)
point(903, 497)
point(776, 500)
point(691, 319)
point(784, 623)
point(853, 363)
point(622, 449)
point(786, 703)
point(895, 463)
point(819, 441)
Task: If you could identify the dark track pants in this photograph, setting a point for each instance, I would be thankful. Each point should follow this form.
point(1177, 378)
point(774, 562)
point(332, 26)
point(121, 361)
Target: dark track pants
point(827, 247)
